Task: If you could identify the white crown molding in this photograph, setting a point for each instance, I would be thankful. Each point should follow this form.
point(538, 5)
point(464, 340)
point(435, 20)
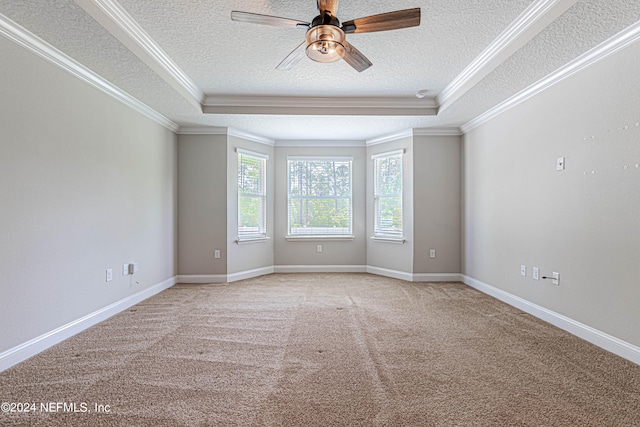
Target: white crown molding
point(30, 41)
point(202, 130)
point(318, 106)
point(587, 333)
point(529, 23)
point(605, 49)
point(319, 143)
point(437, 132)
point(407, 133)
point(115, 19)
point(32, 347)
point(250, 137)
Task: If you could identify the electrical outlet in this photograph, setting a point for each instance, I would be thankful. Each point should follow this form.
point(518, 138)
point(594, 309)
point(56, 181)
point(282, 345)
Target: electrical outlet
point(125, 269)
point(536, 273)
point(556, 279)
point(216, 254)
point(319, 249)
point(109, 275)
point(523, 270)
point(432, 253)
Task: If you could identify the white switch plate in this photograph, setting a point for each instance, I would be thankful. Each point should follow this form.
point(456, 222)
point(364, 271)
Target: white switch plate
point(560, 164)
point(536, 273)
point(523, 270)
point(319, 249)
point(109, 275)
point(125, 269)
point(556, 278)
point(216, 254)
point(432, 253)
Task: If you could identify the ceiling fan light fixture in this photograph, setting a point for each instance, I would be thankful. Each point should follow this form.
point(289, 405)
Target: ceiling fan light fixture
point(325, 43)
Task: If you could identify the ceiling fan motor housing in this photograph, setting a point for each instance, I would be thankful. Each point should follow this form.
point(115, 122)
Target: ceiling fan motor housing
point(325, 39)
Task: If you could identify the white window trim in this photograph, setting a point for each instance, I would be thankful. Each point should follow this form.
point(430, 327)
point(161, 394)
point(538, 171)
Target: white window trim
point(324, 238)
point(257, 237)
point(246, 240)
point(252, 153)
point(320, 237)
point(388, 238)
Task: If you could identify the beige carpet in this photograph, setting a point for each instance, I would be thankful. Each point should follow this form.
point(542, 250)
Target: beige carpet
point(324, 350)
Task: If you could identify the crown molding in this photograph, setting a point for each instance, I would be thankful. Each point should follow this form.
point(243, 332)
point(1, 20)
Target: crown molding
point(407, 133)
point(33, 43)
point(115, 19)
point(333, 106)
point(319, 143)
point(202, 130)
point(251, 137)
point(605, 49)
point(437, 132)
point(528, 24)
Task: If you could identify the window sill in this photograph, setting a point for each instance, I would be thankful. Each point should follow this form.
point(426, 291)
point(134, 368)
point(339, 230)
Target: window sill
point(247, 240)
point(396, 240)
point(318, 238)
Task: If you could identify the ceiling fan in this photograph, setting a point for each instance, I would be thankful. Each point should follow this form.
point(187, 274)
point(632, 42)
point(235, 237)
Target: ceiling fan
point(326, 38)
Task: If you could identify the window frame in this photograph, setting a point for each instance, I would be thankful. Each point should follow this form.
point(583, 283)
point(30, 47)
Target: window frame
point(381, 233)
point(326, 234)
point(262, 195)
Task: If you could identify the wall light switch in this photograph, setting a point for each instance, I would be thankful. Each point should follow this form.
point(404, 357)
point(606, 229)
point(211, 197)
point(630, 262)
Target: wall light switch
point(216, 254)
point(523, 270)
point(319, 249)
point(125, 269)
point(109, 275)
point(556, 279)
point(432, 253)
point(560, 164)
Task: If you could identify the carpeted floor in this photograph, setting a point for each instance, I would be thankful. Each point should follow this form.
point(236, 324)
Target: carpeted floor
point(323, 350)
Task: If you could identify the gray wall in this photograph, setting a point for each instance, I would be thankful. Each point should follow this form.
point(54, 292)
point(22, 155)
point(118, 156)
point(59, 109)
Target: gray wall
point(202, 204)
point(348, 253)
point(248, 256)
point(582, 222)
point(87, 184)
point(437, 203)
point(392, 256)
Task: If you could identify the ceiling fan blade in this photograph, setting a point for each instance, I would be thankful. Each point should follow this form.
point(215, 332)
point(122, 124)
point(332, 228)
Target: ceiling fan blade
point(355, 58)
point(274, 21)
point(294, 57)
point(384, 22)
point(330, 6)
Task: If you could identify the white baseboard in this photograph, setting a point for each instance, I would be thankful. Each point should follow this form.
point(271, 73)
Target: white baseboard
point(587, 333)
point(320, 269)
point(402, 275)
point(242, 275)
point(32, 347)
point(202, 278)
point(437, 277)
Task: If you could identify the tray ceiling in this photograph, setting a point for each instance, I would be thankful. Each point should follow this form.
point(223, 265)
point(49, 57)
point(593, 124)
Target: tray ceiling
point(189, 62)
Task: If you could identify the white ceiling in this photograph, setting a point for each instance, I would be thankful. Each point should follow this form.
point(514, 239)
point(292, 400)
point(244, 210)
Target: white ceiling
point(469, 54)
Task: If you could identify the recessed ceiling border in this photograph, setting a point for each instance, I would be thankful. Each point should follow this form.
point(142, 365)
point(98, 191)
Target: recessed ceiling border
point(21, 36)
point(537, 16)
point(117, 21)
point(308, 105)
point(602, 51)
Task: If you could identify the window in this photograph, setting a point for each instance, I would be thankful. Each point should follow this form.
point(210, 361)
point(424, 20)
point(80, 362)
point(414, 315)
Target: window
point(319, 196)
point(387, 197)
point(252, 195)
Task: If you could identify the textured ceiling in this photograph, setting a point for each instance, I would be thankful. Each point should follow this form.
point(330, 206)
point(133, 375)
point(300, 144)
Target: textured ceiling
point(227, 58)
